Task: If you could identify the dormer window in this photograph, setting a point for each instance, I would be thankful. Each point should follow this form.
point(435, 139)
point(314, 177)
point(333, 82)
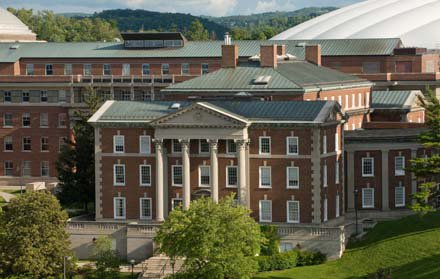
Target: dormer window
point(153, 40)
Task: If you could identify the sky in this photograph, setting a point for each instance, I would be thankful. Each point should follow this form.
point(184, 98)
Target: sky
point(195, 7)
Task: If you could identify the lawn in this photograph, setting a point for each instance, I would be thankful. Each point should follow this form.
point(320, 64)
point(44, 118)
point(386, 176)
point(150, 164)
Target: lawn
point(410, 247)
point(121, 276)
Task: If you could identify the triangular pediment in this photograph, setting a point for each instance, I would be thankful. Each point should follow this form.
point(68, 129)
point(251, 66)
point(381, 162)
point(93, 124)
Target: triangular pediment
point(200, 115)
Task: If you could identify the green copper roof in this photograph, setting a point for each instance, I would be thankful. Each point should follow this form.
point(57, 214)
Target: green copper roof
point(391, 99)
point(191, 49)
point(253, 111)
point(297, 76)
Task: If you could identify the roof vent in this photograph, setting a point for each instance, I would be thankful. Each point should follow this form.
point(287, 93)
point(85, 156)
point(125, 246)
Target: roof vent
point(14, 47)
point(301, 44)
point(175, 106)
point(228, 39)
point(262, 80)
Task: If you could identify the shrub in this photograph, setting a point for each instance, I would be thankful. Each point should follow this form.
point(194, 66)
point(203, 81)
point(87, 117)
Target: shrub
point(311, 258)
point(278, 261)
point(272, 240)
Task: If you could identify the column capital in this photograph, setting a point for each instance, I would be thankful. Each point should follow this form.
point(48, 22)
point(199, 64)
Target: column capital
point(158, 141)
point(242, 142)
point(213, 144)
point(184, 141)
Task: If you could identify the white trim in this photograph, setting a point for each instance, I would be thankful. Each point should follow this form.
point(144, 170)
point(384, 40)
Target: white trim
point(260, 211)
point(148, 146)
point(172, 176)
point(372, 167)
point(337, 206)
point(325, 209)
point(270, 177)
point(114, 175)
point(140, 174)
point(114, 143)
point(200, 147)
point(259, 146)
point(287, 212)
point(402, 171)
point(325, 175)
point(176, 199)
point(141, 217)
point(324, 144)
point(337, 172)
point(336, 142)
point(403, 196)
point(124, 206)
point(363, 198)
point(227, 147)
point(287, 177)
point(227, 177)
point(172, 146)
point(97, 115)
point(287, 146)
point(200, 176)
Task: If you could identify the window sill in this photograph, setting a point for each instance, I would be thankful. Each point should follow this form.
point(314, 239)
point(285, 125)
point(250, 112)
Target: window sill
point(118, 185)
point(368, 175)
point(145, 185)
point(177, 185)
point(8, 127)
point(292, 188)
point(265, 187)
point(232, 186)
point(204, 186)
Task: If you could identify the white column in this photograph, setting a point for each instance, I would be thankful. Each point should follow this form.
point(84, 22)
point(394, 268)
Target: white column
point(186, 174)
point(385, 181)
point(159, 180)
point(214, 169)
point(413, 176)
point(242, 187)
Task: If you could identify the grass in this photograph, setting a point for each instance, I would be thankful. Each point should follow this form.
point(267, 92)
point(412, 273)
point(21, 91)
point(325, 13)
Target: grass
point(2, 201)
point(125, 275)
point(410, 247)
point(13, 192)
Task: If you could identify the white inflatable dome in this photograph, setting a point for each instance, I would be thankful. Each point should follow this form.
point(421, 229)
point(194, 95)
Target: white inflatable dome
point(415, 22)
point(12, 29)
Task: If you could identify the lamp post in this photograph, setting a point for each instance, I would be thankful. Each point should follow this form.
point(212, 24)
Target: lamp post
point(356, 194)
point(132, 267)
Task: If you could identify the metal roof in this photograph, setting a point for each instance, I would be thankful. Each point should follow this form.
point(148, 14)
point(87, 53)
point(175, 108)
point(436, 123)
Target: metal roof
point(253, 111)
point(297, 76)
point(383, 135)
point(152, 36)
point(392, 99)
point(191, 49)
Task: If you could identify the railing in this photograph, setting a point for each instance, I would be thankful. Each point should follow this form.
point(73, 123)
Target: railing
point(310, 232)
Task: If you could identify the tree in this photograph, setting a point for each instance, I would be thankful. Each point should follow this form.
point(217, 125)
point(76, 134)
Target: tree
point(33, 241)
point(197, 32)
point(427, 170)
point(216, 241)
point(107, 262)
point(76, 162)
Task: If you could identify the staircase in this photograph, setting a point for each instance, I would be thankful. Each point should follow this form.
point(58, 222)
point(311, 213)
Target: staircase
point(159, 267)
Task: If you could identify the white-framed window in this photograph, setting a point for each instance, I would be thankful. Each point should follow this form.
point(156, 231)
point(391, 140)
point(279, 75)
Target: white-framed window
point(265, 177)
point(293, 213)
point(45, 169)
point(62, 141)
point(185, 68)
point(204, 176)
point(205, 68)
point(144, 144)
point(231, 176)
point(146, 69)
point(265, 209)
point(399, 196)
point(145, 175)
point(165, 69)
point(25, 96)
point(27, 168)
point(177, 175)
point(62, 120)
point(340, 100)
point(325, 209)
point(62, 96)
point(367, 166)
point(7, 120)
point(176, 146)
point(9, 168)
point(119, 207)
point(367, 99)
point(68, 69)
point(126, 69)
point(176, 203)
point(337, 142)
point(44, 144)
point(337, 172)
point(324, 176)
point(367, 197)
point(145, 208)
point(399, 166)
point(337, 206)
point(8, 145)
point(360, 100)
point(264, 145)
point(106, 69)
point(43, 96)
point(292, 145)
point(26, 143)
point(353, 100)
point(30, 69)
point(26, 120)
point(7, 97)
point(292, 174)
point(346, 102)
point(87, 69)
point(119, 175)
point(44, 120)
point(231, 147)
point(203, 146)
point(324, 144)
point(49, 69)
point(118, 144)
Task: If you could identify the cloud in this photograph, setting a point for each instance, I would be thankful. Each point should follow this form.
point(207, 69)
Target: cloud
point(274, 5)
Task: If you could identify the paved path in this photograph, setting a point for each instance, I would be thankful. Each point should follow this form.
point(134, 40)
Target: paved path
point(7, 196)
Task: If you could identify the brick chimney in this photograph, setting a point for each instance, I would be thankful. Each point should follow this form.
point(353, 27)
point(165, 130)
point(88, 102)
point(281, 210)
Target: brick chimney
point(313, 54)
point(229, 53)
point(281, 50)
point(268, 56)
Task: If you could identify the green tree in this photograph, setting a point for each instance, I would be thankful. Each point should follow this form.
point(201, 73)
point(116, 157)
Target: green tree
point(197, 32)
point(76, 162)
point(216, 240)
point(107, 261)
point(427, 170)
point(33, 241)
